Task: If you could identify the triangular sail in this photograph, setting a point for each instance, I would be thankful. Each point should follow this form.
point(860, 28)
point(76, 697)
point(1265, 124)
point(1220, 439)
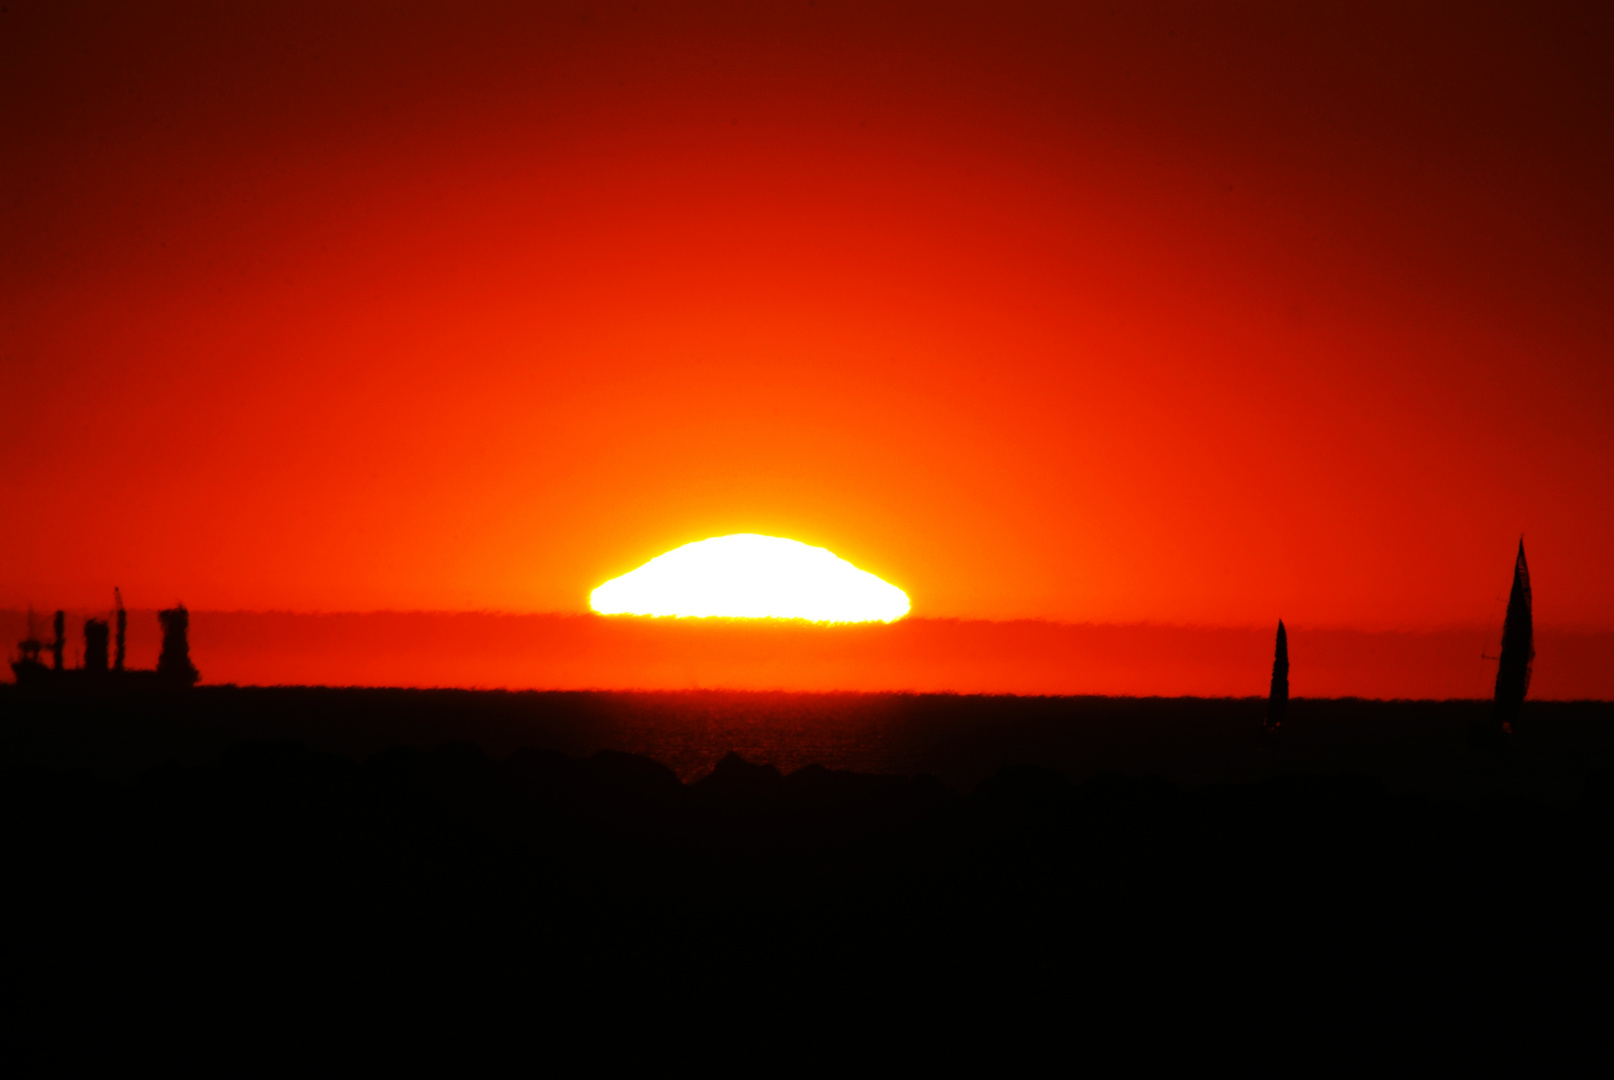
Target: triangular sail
point(1518, 648)
point(1278, 700)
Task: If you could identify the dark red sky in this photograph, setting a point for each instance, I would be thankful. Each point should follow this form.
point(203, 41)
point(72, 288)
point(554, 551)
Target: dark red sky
point(1185, 313)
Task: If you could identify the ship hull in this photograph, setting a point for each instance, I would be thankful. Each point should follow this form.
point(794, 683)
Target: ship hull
point(32, 675)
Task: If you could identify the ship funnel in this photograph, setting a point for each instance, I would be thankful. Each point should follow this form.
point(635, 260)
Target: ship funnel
point(174, 665)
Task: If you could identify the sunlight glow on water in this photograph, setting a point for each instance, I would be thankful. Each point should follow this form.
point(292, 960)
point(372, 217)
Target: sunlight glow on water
point(746, 576)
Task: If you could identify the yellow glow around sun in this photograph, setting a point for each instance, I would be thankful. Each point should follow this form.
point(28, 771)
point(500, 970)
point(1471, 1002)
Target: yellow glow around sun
point(746, 576)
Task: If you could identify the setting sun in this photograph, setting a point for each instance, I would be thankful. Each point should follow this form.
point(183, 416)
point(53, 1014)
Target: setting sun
point(746, 576)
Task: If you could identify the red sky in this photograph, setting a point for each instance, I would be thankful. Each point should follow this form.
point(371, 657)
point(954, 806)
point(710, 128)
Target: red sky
point(1180, 313)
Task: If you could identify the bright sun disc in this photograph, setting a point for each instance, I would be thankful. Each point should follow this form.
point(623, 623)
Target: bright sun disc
point(746, 576)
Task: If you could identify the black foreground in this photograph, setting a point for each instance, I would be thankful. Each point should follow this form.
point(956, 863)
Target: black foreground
point(265, 875)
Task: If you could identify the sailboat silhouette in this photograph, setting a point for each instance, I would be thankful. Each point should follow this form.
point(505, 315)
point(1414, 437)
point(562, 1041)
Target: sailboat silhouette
point(1518, 650)
point(1278, 699)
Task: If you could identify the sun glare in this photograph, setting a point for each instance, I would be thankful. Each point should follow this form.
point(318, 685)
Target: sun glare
point(746, 576)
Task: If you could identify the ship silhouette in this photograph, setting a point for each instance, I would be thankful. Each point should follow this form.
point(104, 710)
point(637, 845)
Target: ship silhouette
point(174, 667)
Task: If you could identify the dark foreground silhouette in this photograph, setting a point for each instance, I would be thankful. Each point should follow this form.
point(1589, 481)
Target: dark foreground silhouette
point(229, 869)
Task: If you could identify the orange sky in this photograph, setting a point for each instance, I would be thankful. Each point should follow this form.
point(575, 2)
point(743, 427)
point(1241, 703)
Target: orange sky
point(1200, 314)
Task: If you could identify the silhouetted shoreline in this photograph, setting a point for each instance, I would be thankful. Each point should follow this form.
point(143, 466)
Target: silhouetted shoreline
point(963, 739)
point(365, 842)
